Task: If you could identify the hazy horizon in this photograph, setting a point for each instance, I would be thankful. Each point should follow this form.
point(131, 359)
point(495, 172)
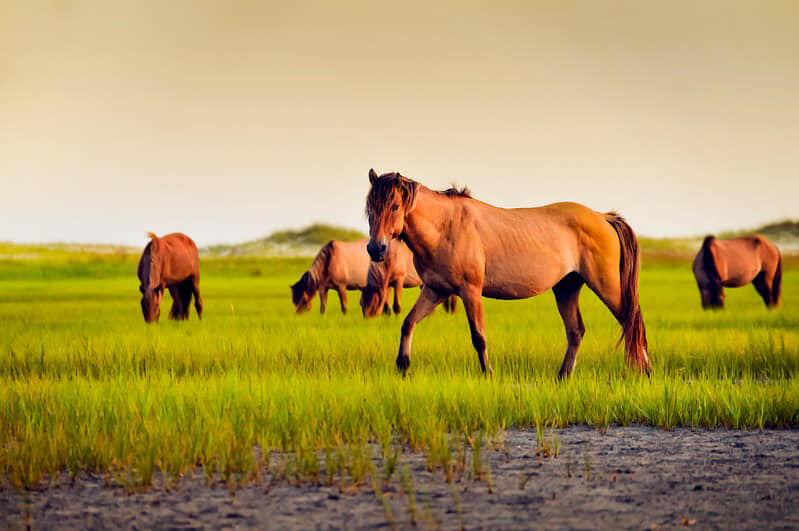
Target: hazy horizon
point(228, 121)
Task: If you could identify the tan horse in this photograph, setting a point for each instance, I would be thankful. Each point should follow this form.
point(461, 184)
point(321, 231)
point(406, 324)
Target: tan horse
point(735, 263)
point(465, 247)
point(170, 262)
point(339, 266)
point(397, 271)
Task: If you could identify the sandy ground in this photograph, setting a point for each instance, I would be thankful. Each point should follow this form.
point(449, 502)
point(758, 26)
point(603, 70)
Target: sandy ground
point(633, 478)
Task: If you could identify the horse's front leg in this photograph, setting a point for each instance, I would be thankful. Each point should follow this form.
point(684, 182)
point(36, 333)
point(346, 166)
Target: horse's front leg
point(323, 299)
point(176, 312)
point(425, 304)
point(342, 297)
point(472, 297)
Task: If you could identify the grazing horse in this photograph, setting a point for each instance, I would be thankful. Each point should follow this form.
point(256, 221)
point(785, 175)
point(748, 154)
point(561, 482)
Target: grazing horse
point(736, 263)
point(468, 248)
point(170, 262)
point(397, 271)
point(339, 266)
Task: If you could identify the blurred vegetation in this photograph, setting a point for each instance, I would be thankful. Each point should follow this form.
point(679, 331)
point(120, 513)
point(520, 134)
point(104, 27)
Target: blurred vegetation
point(302, 242)
point(779, 231)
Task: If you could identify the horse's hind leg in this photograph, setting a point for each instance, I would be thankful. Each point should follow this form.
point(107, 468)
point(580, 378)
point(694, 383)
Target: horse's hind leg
point(186, 291)
point(763, 287)
point(177, 302)
point(198, 301)
point(605, 281)
point(567, 295)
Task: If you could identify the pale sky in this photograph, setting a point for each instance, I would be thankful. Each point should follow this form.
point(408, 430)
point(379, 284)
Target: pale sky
point(230, 119)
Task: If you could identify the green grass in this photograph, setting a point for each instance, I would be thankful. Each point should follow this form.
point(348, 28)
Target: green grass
point(85, 385)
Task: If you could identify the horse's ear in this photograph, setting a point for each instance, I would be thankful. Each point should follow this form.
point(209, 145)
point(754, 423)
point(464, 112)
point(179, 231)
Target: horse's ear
point(372, 176)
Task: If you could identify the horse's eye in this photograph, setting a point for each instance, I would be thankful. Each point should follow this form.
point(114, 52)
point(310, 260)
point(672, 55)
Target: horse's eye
point(395, 208)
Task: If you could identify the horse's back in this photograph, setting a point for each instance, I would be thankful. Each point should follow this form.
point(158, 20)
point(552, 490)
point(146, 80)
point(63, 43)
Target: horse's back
point(529, 250)
point(349, 264)
point(180, 255)
point(743, 258)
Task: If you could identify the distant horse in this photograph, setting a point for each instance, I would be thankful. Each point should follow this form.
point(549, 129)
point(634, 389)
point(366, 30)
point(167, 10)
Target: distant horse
point(735, 263)
point(339, 266)
point(169, 262)
point(465, 247)
point(397, 271)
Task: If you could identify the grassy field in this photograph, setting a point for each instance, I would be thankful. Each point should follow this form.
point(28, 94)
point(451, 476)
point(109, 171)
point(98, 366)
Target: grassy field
point(85, 385)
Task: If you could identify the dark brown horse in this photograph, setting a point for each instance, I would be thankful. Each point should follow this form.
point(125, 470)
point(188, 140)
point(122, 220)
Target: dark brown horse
point(337, 265)
point(170, 262)
point(465, 247)
point(397, 271)
point(735, 263)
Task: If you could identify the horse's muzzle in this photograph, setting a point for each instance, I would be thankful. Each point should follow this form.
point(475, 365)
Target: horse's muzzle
point(377, 251)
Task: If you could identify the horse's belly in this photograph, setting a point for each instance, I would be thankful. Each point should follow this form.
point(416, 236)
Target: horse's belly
point(521, 282)
point(737, 279)
point(510, 292)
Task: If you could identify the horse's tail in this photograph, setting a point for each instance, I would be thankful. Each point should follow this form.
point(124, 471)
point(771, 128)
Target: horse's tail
point(776, 284)
point(630, 316)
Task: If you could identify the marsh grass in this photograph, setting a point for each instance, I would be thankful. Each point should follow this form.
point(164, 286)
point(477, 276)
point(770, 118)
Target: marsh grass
point(85, 385)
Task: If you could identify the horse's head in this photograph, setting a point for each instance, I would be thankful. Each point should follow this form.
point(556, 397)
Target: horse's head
point(301, 293)
point(712, 297)
point(151, 302)
point(391, 197)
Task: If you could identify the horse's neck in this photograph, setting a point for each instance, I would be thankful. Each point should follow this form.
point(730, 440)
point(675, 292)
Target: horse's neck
point(424, 224)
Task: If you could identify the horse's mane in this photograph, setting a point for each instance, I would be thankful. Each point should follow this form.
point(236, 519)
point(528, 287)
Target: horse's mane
point(148, 260)
point(309, 281)
point(709, 262)
point(453, 191)
point(380, 192)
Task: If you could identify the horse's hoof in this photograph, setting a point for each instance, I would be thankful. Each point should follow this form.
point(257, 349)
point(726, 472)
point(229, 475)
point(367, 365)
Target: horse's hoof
point(403, 362)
